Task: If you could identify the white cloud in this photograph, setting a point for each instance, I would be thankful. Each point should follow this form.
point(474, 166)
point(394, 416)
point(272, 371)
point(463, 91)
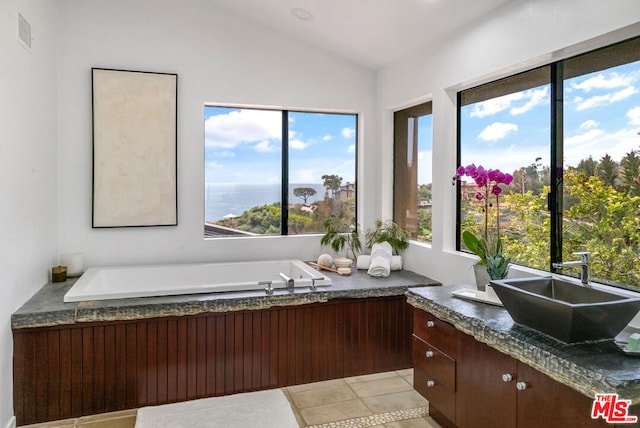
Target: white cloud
point(597, 143)
point(304, 176)
point(265, 146)
point(327, 138)
point(242, 126)
point(587, 137)
point(535, 97)
point(614, 80)
point(214, 164)
point(224, 154)
point(607, 99)
point(495, 105)
point(351, 148)
point(297, 144)
point(634, 116)
point(588, 124)
point(348, 132)
point(497, 131)
point(517, 103)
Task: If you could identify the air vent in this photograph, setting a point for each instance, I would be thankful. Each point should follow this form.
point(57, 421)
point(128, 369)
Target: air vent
point(24, 32)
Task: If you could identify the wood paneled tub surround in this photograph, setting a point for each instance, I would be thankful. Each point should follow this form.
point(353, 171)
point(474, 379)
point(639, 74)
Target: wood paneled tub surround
point(75, 359)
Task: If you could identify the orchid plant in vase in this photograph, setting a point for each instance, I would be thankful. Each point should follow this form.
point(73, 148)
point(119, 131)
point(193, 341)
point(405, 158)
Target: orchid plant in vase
point(488, 245)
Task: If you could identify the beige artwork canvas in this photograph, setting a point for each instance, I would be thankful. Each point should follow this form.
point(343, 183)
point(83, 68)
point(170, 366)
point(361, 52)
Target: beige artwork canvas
point(134, 148)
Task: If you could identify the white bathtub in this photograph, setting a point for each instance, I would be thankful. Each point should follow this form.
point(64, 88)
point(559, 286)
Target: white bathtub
point(167, 280)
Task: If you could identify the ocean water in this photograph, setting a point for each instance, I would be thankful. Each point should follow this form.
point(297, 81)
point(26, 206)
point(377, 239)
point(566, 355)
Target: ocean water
point(223, 199)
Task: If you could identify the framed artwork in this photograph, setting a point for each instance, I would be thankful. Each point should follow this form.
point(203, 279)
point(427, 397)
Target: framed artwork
point(134, 148)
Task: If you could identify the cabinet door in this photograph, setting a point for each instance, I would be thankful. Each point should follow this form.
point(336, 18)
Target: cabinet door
point(548, 403)
point(483, 397)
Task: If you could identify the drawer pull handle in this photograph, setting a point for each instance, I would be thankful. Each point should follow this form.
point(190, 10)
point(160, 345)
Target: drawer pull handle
point(431, 324)
point(507, 377)
point(429, 354)
point(431, 383)
point(521, 386)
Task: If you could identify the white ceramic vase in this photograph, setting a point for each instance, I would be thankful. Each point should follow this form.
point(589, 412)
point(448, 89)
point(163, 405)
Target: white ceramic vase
point(482, 276)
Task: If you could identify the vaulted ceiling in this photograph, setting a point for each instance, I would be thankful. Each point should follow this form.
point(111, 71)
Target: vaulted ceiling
point(373, 33)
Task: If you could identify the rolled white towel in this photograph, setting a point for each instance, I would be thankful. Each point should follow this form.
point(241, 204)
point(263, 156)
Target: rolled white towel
point(380, 260)
point(364, 261)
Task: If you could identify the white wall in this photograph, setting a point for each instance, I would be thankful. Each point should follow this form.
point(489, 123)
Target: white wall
point(218, 58)
point(27, 169)
point(516, 37)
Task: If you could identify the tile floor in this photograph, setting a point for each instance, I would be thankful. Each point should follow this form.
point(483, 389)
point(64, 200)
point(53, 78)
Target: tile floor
point(379, 400)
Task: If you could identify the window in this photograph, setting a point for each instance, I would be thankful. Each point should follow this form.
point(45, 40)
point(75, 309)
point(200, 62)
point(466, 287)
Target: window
point(569, 134)
point(260, 160)
point(412, 170)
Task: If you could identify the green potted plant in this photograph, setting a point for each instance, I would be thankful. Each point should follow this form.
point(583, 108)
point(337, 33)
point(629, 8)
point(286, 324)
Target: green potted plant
point(341, 233)
point(390, 232)
point(488, 245)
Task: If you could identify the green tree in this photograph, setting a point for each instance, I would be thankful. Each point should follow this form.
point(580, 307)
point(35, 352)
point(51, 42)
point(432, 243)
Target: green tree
point(588, 166)
point(304, 193)
point(607, 169)
point(331, 183)
point(607, 223)
point(630, 173)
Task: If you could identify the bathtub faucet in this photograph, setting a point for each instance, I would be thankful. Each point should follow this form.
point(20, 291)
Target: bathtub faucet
point(269, 288)
point(289, 282)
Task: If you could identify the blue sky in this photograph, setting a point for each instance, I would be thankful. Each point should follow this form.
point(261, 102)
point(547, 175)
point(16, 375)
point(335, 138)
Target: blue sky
point(244, 146)
point(601, 115)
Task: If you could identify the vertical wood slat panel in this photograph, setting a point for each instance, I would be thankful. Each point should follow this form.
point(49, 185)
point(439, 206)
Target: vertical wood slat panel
point(18, 374)
point(87, 370)
point(53, 362)
point(172, 361)
point(65, 373)
point(98, 354)
point(201, 358)
point(76, 372)
point(141, 364)
point(132, 372)
point(152, 363)
point(110, 396)
point(220, 353)
point(29, 389)
point(246, 352)
point(181, 340)
point(41, 373)
point(192, 375)
point(120, 355)
point(90, 368)
point(211, 356)
point(163, 350)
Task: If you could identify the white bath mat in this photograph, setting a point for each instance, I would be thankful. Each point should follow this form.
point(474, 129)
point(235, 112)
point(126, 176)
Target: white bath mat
point(252, 409)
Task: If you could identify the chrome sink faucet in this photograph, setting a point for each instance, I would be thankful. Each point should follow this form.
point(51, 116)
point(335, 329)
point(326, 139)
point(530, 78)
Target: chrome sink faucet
point(584, 263)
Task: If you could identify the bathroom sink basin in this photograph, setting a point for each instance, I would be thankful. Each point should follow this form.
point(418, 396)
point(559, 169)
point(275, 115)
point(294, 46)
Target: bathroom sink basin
point(565, 310)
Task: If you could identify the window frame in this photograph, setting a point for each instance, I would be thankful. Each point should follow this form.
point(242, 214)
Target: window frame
point(401, 171)
point(284, 163)
point(609, 56)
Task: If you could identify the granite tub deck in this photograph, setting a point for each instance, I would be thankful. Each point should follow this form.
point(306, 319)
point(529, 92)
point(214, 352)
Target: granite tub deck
point(47, 308)
point(589, 368)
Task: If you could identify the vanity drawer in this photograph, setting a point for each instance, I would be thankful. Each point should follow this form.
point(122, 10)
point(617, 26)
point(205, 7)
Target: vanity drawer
point(437, 394)
point(436, 332)
point(436, 365)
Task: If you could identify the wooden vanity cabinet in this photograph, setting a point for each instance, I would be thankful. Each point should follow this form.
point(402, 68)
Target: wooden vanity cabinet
point(434, 351)
point(476, 386)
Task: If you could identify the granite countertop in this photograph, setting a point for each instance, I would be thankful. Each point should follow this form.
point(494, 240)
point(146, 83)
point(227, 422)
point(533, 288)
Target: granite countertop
point(47, 308)
point(589, 367)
